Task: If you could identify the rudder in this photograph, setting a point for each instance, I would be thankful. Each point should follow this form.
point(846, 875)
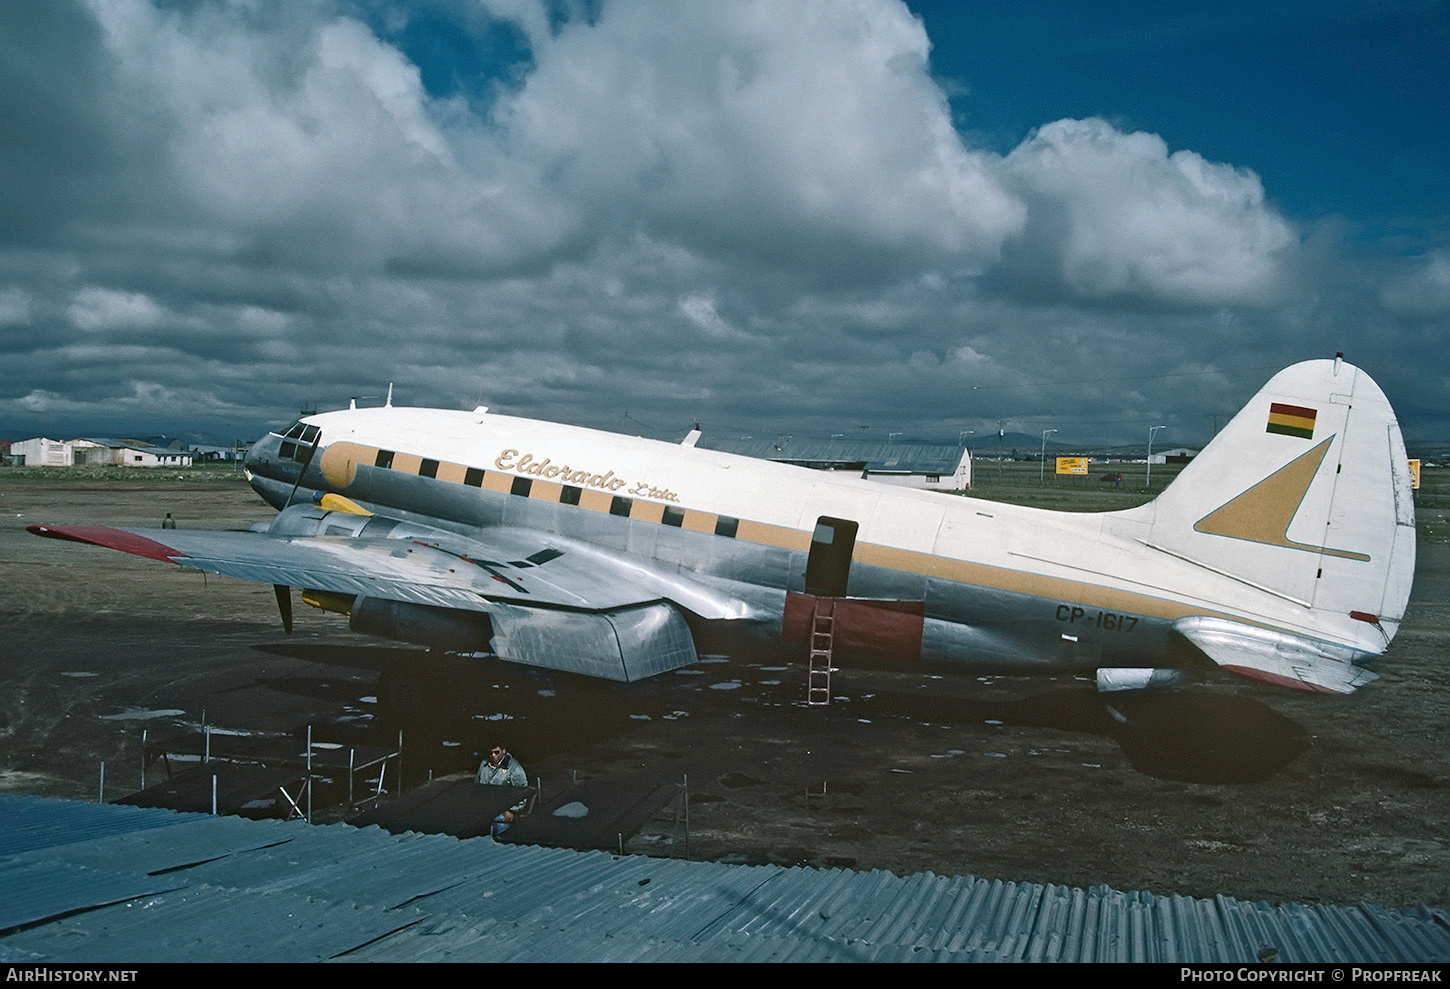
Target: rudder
point(1305, 495)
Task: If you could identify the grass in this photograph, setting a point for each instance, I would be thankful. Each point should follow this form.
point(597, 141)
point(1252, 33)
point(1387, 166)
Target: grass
point(1023, 483)
point(219, 473)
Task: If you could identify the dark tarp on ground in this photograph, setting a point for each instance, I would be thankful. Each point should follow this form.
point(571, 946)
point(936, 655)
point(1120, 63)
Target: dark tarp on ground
point(462, 808)
point(593, 815)
point(243, 790)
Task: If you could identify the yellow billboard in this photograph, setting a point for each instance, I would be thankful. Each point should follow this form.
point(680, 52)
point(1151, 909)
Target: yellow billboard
point(1072, 465)
point(1415, 474)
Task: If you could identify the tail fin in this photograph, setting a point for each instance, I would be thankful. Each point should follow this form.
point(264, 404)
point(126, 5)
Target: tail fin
point(1304, 497)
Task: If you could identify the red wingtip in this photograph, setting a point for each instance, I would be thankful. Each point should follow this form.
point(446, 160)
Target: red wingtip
point(1279, 680)
point(100, 535)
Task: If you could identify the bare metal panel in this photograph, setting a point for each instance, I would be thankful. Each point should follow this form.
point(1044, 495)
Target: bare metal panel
point(621, 645)
point(653, 639)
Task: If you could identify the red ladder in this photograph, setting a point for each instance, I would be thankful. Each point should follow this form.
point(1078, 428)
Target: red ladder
point(818, 678)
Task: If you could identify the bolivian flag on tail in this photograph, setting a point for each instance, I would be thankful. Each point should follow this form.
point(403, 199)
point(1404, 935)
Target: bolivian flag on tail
point(1291, 420)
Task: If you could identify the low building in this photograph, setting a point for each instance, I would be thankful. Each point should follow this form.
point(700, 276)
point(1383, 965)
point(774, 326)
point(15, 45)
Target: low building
point(935, 467)
point(1178, 455)
point(129, 453)
point(42, 452)
point(237, 451)
point(85, 452)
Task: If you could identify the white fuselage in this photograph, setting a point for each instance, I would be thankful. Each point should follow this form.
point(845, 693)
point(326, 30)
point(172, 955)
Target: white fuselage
point(1014, 586)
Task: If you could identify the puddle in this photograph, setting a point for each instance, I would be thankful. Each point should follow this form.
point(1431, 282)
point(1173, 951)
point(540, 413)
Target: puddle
point(141, 714)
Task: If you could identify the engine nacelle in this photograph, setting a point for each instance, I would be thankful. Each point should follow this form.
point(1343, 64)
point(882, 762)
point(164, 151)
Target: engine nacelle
point(314, 520)
point(438, 628)
point(1114, 679)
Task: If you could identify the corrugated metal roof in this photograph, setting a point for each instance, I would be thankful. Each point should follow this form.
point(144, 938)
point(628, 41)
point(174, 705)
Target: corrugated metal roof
point(137, 445)
point(921, 457)
point(89, 882)
point(31, 823)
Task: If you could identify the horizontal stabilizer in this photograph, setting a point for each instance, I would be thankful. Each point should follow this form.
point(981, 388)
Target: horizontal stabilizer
point(1276, 657)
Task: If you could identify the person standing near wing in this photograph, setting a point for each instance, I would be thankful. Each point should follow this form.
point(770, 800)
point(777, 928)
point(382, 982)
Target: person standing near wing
point(499, 768)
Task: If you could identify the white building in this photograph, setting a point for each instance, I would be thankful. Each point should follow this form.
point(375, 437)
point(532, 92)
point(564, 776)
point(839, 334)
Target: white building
point(42, 452)
point(933, 467)
point(923, 474)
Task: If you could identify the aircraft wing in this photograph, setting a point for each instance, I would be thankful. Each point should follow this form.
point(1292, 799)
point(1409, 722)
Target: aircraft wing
point(447, 571)
point(550, 602)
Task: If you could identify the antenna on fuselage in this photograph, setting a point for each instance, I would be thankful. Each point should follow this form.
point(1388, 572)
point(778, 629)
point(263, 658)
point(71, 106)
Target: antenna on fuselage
point(388, 402)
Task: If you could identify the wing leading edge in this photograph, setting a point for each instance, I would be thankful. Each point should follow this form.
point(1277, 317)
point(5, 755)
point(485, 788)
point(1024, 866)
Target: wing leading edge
point(556, 606)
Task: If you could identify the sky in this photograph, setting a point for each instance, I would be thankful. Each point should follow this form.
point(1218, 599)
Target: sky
point(803, 217)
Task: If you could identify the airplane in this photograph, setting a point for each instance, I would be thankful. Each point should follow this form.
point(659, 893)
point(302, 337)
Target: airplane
point(1283, 552)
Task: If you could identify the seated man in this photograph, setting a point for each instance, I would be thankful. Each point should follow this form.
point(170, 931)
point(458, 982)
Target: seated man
point(499, 768)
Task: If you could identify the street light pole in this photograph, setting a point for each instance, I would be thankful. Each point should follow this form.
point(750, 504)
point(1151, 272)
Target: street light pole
point(1042, 469)
point(1151, 431)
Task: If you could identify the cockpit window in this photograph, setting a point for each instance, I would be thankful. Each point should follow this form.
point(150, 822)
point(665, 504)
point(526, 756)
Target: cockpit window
point(297, 442)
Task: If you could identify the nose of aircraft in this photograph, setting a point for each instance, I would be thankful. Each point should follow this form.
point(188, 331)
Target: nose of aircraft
point(262, 454)
point(268, 472)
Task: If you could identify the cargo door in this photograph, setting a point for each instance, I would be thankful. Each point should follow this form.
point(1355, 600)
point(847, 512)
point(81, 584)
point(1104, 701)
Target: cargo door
point(828, 567)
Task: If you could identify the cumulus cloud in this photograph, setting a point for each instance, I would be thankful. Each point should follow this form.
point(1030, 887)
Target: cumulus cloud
point(1422, 291)
point(106, 309)
point(749, 209)
point(15, 307)
point(808, 134)
point(309, 140)
point(805, 130)
point(755, 123)
point(1118, 215)
point(702, 310)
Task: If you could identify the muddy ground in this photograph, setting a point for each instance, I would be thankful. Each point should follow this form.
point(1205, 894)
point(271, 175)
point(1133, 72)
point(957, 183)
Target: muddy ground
point(1226, 787)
